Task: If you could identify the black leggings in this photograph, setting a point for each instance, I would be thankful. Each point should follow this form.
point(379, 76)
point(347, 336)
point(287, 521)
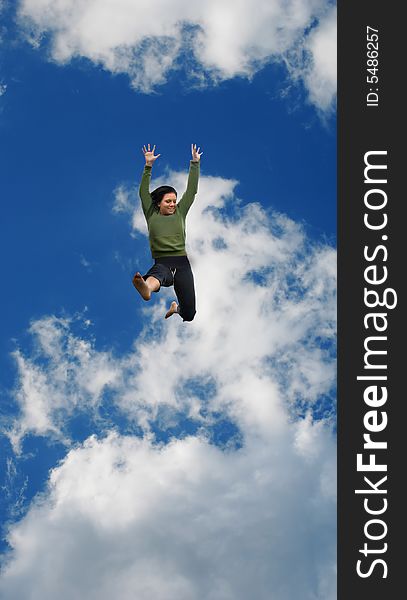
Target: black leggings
point(176, 271)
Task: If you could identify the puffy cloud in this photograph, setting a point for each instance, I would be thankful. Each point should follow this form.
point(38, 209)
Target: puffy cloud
point(255, 273)
point(124, 518)
point(213, 41)
point(63, 375)
point(136, 517)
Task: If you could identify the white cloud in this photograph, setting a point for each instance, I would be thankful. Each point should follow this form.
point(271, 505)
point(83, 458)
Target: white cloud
point(224, 39)
point(70, 376)
point(130, 518)
point(320, 75)
point(122, 202)
point(124, 519)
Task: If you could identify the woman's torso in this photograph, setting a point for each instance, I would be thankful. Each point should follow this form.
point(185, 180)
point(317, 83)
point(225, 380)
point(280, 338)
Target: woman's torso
point(167, 234)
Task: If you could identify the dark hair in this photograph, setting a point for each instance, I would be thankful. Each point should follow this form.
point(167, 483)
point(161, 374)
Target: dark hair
point(158, 193)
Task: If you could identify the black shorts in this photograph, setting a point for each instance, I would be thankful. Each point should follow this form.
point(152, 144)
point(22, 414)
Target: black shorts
point(176, 271)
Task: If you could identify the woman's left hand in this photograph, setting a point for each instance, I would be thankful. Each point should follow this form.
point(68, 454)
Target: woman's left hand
point(196, 155)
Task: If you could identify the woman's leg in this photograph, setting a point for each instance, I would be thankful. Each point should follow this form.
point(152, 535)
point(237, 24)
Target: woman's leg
point(185, 291)
point(146, 287)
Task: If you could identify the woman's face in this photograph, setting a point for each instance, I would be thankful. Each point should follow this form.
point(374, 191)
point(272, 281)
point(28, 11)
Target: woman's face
point(168, 204)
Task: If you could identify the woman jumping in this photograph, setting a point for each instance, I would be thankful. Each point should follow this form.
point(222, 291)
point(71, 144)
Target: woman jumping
point(166, 230)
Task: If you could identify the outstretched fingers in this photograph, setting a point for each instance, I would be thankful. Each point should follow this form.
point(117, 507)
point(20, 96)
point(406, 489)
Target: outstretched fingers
point(149, 153)
point(196, 154)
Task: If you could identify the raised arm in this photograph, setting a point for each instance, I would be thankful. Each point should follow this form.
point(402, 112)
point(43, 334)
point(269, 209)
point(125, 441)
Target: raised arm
point(144, 190)
point(192, 186)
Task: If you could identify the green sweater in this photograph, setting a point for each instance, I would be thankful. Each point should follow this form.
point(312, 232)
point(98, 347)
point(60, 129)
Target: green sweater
point(167, 232)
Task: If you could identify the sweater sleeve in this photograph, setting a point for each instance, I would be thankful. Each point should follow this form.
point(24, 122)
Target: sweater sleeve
point(144, 191)
point(192, 188)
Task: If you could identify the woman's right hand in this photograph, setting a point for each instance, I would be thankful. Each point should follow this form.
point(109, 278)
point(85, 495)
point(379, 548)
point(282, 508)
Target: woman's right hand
point(149, 155)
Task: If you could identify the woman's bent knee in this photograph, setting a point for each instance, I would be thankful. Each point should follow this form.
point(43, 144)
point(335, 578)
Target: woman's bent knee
point(188, 315)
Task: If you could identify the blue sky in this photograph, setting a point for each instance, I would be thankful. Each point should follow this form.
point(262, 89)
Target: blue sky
point(78, 348)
